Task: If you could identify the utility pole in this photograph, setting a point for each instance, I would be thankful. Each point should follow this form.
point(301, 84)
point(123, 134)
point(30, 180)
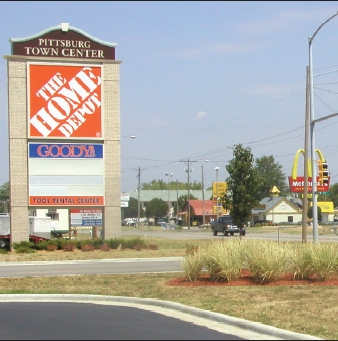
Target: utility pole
point(203, 206)
point(187, 162)
point(176, 199)
point(138, 195)
point(306, 166)
point(169, 175)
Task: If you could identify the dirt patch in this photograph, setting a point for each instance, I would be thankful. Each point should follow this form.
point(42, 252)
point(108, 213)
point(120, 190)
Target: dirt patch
point(246, 280)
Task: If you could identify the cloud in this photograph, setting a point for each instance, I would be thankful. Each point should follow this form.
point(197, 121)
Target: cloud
point(200, 115)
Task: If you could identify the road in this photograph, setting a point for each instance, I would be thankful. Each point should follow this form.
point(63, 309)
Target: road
point(196, 233)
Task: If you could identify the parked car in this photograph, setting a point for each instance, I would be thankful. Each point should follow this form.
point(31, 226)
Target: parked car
point(160, 221)
point(263, 222)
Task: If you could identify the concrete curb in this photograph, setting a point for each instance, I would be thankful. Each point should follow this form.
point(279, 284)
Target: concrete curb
point(178, 307)
point(77, 261)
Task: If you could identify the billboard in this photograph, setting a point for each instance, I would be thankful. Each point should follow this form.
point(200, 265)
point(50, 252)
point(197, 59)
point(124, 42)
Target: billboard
point(297, 183)
point(218, 188)
point(64, 101)
point(86, 217)
point(66, 174)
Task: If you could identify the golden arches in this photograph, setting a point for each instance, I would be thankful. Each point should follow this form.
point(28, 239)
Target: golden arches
point(295, 163)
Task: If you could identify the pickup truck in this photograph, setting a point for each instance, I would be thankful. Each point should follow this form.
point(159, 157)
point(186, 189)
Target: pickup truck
point(224, 225)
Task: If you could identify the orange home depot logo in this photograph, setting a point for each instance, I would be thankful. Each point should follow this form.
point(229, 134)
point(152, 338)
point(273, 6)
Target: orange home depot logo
point(65, 101)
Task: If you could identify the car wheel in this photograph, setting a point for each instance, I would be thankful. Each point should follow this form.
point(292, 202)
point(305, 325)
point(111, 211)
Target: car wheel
point(214, 232)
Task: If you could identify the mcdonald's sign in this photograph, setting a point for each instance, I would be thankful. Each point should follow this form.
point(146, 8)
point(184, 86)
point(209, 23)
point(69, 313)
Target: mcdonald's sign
point(296, 182)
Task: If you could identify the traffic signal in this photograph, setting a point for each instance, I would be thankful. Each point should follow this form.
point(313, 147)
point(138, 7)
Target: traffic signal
point(320, 173)
point(325, 173)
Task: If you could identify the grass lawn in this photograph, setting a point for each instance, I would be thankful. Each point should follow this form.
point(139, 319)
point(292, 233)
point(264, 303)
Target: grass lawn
point(303, 309)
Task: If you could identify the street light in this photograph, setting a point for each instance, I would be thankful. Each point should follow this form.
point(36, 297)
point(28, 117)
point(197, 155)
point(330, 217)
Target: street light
point(312, 130)
point(189, 170)
point(203, 205)
point(216, 168)
point(169, 175)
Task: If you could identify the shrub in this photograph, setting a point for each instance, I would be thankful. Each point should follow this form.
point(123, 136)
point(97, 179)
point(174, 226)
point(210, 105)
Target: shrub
point(153, 247)
point(23, 245)
point(51, 247)
point(224, 260)
point(138, 247)
point(24, 249)
point(301, 261)
point(3, 251)
point(191, 249)
point(44, 245)
point(67, 245)
point(324, 259)
point(87, 247)
point(130, 243)
point(105, 247)
point(266, 260)
point(114, 243)
point(192, 265)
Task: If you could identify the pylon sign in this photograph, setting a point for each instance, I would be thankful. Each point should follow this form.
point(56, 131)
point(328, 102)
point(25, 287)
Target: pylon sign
point(296, 182)
point(218, 189)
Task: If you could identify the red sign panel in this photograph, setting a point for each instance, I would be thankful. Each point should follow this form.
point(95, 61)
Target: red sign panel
point(297, 185)
point(56, 200)
point(65, 101)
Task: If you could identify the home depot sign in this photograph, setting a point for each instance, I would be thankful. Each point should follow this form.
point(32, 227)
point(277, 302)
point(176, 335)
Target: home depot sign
point(65, 101)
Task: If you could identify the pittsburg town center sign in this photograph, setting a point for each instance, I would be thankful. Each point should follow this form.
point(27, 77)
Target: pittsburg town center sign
point(64, 126)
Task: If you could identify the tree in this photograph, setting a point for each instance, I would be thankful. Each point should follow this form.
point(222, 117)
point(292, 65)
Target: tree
point(163, 185)
point(242, 186)
point(271, 174)
point(183, 199)
point(131, 211)
point(332, 196)
point(4, 197)
point(156, 208)
point(319, 213)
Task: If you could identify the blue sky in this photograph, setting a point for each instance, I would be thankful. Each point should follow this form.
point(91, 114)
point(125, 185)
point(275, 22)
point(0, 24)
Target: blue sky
point(199, 77)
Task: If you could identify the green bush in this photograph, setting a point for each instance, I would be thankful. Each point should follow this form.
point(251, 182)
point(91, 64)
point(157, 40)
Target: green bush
point(23, 245)
point(114, 243)
point(87, 247)
point(44, 244)
point(24, 249)
point(130, 243)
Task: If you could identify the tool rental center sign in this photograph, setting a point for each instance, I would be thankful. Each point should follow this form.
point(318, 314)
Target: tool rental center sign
point(64, 101)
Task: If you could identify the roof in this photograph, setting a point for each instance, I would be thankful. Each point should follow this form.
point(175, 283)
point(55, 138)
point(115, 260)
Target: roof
point(269, 203)
point(197, 206)
point(148, 195)
point(63, 27)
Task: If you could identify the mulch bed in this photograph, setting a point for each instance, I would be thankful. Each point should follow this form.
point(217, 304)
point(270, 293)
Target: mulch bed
point(247, 280)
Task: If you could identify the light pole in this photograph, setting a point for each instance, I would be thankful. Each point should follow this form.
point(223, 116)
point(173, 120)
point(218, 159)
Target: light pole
point(216, 168)
point(169, 210)
point(188, 171)
point(188, 162)
point(203, 206)
point(312, 131)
